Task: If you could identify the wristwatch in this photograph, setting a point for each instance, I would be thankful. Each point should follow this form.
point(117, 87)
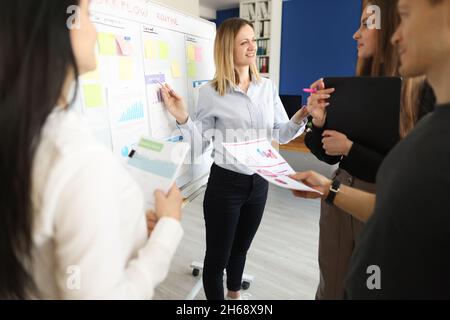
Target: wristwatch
point(334, 189)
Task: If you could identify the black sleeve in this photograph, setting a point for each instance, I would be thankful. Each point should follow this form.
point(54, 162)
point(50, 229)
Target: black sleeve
point(313, 140)
point(364, 162)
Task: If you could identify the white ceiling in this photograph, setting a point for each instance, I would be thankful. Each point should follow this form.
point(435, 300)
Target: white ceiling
point(219, 4)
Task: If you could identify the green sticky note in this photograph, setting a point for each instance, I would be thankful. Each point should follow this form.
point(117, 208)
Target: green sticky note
point(107, 44)
point(163, 51)
point(192, 70)
point(93, 95)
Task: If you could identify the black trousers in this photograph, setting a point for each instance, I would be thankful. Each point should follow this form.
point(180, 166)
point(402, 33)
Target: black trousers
point(233, 208)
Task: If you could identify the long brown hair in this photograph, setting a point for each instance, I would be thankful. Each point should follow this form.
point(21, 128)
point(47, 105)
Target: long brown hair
point(386, 62)
point(226, 76)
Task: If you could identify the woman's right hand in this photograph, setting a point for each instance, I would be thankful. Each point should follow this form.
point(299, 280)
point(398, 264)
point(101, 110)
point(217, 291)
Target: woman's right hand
point(168, 206)
point(174, 104)
point(317, 103)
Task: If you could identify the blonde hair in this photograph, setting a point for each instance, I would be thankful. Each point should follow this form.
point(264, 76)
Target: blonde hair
point(226, 76)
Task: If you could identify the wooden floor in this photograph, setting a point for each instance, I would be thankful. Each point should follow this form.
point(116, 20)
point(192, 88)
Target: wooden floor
point(297, 145)
point(283, 256)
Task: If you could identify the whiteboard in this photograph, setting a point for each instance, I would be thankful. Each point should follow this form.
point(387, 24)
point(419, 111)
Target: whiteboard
point(140, 43)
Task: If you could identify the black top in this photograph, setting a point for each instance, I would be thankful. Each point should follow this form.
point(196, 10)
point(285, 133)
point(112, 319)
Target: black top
point(408, 236)
point(361, 162)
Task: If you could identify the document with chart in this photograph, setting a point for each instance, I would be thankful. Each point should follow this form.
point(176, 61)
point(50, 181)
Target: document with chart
point(155, 165)
point(261, 158)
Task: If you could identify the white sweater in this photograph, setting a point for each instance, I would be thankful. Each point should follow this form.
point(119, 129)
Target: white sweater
point(90, 234)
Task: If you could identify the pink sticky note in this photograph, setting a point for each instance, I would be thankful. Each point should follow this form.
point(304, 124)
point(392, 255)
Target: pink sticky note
point(125, 46)
point(198, 54)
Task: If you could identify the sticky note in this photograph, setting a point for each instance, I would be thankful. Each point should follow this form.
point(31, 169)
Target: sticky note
point(93, 75)
point(191, 53)
point(93, 95)
point(125, 45)
point(198, 54)
point(107, 44)
point(192, 70)
point(176, 71)
point(126, 68)
point(163, 50)
point(150, 49)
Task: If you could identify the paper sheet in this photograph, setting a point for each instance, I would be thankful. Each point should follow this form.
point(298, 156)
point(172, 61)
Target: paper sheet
point(261, 158)
point(155, 165)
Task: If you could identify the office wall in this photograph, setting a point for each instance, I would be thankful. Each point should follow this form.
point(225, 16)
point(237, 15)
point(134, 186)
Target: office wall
point(223, 15)
point(188, 6)
point(317, 41)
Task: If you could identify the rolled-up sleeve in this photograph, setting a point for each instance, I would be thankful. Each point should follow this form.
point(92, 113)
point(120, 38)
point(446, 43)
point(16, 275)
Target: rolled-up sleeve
point(285, 129)
point(199, 129)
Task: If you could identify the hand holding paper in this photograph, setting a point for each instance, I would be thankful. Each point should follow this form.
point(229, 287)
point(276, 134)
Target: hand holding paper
point(261, 158)
point(315, 181)
point(155, 165)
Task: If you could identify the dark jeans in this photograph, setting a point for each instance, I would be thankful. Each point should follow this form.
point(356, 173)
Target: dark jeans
point(233, 207)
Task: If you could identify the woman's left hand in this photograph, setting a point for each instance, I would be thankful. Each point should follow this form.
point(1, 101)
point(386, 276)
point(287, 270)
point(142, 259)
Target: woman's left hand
point(152, 220)
point(300, 115)
point(336, 143)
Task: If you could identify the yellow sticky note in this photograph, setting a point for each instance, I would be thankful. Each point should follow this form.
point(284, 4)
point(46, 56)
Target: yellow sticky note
point(126, 68)
point(191, 53)
point(93, 95)
point(94, 75)
point(163, 50)
point(176, 71)
point(150, 49)
point(107, 44)
point(192, 70)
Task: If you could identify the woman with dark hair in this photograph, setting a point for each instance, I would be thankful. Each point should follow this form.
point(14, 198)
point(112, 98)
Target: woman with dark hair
point(72, 221)
point(358, 164)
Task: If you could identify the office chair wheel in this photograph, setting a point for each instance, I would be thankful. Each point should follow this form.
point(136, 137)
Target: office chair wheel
point(195, 272)
point(245, 285)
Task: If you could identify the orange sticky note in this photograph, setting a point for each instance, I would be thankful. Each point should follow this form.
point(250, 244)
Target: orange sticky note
point(125, 45)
